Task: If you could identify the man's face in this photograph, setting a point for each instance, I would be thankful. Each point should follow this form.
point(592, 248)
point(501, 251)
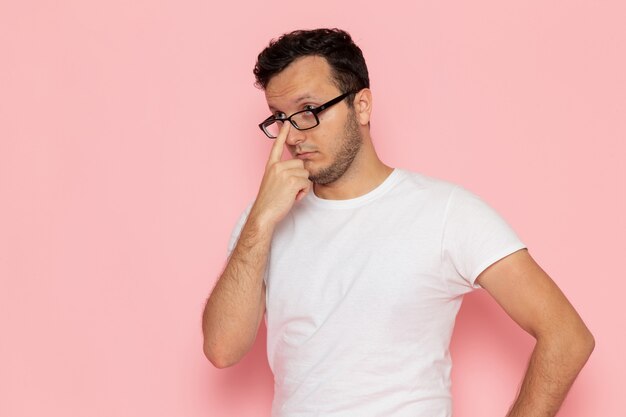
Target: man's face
point(329, 148)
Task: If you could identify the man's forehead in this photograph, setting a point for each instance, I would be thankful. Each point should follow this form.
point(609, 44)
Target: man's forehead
point(276, 101)
point(304, 79)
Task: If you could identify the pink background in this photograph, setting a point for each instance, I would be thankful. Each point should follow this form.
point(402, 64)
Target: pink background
point(129, 146)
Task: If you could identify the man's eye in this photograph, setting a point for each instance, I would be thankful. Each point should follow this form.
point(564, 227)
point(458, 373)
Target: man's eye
point(309, 107)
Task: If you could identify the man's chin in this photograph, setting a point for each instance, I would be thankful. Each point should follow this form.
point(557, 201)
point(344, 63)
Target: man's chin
point(313, 168)
point(313, 175)
point(322, 177)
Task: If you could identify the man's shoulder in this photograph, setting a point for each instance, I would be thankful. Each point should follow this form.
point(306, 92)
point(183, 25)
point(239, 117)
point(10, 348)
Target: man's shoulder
point(417, 181)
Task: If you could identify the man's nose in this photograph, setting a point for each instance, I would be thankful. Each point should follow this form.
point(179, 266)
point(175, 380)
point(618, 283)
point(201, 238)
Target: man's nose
point(295, 136)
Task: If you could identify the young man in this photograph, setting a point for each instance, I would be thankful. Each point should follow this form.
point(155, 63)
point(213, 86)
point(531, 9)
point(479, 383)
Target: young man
point(359, 268)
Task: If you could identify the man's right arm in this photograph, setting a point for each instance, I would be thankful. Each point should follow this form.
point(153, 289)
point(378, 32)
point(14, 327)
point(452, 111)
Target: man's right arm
point(236, 305)
point(235, 308)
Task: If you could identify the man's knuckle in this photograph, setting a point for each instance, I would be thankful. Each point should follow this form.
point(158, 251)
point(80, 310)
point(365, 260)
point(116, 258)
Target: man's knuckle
point(275, 168)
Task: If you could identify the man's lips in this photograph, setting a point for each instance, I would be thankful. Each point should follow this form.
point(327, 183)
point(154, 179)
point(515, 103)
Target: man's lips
point(305, 155)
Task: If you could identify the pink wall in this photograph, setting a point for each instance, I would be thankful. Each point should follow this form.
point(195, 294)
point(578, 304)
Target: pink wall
point(129, 146)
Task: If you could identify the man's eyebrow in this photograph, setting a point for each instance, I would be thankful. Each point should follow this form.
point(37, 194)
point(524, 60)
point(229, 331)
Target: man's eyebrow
point(298, 100)
point(304, 98)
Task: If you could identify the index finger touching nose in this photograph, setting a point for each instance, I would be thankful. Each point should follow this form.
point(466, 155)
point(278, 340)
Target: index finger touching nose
point(279, 142)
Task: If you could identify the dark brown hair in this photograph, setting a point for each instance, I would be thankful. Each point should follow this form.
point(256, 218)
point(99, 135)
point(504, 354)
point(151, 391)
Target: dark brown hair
point(345, 58)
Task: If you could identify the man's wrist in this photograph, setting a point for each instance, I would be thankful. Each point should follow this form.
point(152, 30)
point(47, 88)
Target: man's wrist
point(261, 226)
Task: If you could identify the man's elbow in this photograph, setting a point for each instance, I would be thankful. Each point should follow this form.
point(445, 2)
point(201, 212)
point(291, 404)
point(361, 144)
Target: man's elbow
point(587, 342)
point(572, 338)
point(219, 359)
point(580, 344)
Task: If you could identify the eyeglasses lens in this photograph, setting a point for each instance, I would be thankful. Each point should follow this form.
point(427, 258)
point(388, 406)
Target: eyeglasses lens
point(304, 120)
point(273, 128)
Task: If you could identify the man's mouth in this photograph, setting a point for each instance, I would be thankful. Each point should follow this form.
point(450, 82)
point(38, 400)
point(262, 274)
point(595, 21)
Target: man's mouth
point(305, 155)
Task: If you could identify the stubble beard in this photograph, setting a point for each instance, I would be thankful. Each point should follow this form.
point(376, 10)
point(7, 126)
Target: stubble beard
point(349, 149)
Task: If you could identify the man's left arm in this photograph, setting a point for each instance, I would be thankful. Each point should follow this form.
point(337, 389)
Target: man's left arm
point(563, 342)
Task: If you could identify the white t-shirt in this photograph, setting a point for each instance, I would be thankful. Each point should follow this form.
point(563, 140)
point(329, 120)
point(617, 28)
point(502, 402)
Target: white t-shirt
point(362, 296)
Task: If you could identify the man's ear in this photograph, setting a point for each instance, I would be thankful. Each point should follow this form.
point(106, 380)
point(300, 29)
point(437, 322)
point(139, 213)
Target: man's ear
point(363, 106)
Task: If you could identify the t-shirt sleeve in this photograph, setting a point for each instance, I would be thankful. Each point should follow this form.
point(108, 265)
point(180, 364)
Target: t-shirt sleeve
point(474, 237)
point(234, 236)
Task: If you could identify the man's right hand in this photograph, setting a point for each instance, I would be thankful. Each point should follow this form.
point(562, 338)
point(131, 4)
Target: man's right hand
point(284, 183)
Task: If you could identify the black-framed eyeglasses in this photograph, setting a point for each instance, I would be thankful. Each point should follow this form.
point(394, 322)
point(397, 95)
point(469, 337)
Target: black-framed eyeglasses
point(302, 120)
